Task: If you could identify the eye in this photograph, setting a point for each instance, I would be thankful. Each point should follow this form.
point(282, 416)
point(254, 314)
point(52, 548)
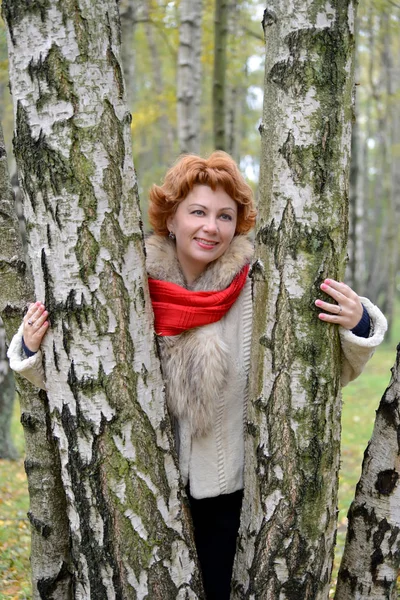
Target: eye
point(226, 217)
point(198, 212)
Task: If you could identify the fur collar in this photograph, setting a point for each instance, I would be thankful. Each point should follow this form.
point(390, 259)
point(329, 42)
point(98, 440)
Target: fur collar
point(196, 363)
point(162, 263)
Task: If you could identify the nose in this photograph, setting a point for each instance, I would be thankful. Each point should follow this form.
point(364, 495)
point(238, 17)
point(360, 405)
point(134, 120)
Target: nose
point(211, 224)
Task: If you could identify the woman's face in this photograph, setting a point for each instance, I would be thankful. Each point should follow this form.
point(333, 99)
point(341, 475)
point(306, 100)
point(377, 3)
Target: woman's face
point(204, 225)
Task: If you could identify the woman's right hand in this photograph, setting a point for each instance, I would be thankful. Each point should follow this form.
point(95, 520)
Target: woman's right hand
point(35, 326)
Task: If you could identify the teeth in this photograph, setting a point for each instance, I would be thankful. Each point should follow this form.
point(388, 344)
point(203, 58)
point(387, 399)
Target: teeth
point(206, 242)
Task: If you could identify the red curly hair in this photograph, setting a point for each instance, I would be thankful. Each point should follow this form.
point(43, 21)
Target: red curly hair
point(219, 170)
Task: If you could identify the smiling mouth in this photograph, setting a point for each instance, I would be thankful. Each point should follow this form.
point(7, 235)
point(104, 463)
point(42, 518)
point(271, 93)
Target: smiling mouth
point(204, 242)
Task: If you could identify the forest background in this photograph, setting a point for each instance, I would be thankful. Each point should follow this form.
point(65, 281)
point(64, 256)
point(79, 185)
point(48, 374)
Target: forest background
point(151, 40)
point(150, 31)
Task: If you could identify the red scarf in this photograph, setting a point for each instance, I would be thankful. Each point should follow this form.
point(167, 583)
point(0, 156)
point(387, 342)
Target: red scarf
point(177, 309)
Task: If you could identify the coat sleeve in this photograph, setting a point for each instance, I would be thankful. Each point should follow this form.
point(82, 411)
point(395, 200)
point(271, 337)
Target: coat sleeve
point(31, 368)
point(356, 351)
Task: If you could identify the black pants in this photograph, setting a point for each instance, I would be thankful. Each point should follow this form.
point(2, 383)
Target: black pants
point(216, 523)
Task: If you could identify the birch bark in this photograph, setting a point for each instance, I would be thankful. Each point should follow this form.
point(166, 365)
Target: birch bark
point(129, 530)
point(50, 558)
point(189, 76)
point(219, 77)
point(356, 267)
point(127, 11)
point(371, 558)
point(285, 549)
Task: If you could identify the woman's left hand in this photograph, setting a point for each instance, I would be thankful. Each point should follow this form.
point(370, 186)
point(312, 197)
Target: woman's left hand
point(348, 310)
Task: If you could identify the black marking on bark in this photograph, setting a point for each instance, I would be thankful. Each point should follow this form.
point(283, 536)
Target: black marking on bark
point(53, 69)
point(268, 235)
point(66, 337)
point(359, 512)
point(29, 421)
point(116, 67)
point(127, 119)
point(251, 429)
point(40, 526)
point(83, 474)
point(45, 169)
point(49, 298)
point(31, 465)
point(49, 239)
point(269, 18)
point(348, 578)
point(380, 532)
point(377, 559)
point(48, 587)
point(14, 11)
point(257, 270)
point(11, 311)
point(112, 135)
point(55, 357)
point(386, 481)
point(86, 251)
point(266, 342)
point(77, 311)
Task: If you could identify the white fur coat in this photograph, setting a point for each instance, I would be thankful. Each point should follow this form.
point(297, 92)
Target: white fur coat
point(195, 363)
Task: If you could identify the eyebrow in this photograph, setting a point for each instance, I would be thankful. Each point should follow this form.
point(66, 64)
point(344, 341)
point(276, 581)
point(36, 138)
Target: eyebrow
point(202, 206)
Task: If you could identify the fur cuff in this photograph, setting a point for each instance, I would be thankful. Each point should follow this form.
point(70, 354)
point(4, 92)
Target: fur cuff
point(378, 328)
point(30, 368)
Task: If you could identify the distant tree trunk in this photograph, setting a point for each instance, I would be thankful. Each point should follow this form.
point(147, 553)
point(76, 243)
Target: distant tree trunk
point(50, 558)
point(356, 267)
point(393, 144)
point(163, 149)
point(127, 11)
point(129, 531)
point(189, 76)
point(285, 547)
point(219, 78)
point(371, 557)
point(7, 394)
point(234, 89)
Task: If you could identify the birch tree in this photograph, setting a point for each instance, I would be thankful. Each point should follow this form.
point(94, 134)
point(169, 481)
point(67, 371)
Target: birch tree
point(285, 548)
point(371, 557)
point(50, 557)
point(189, 76)
point(128, 525)
point(219, 76)
point(127, 11)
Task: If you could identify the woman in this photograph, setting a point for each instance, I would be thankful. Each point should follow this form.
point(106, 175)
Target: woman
point(198, 262)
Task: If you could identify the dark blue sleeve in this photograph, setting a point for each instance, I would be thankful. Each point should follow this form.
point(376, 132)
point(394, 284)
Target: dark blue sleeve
point(363, 327)
point(26, 350)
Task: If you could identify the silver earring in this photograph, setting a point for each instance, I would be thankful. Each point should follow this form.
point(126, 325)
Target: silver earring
point(171, 235)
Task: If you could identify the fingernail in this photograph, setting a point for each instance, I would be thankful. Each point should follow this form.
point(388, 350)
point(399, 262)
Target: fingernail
point(324, 286)
point(318, 302)
point(328, 281)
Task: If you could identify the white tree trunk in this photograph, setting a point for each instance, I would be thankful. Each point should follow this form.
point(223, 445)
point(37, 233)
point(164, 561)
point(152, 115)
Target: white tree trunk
point(129, 531)
point(285, 550)
point(371, 557)
point(50, 557)
point(127, 10)
point(189, 76)
point(219, 74)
